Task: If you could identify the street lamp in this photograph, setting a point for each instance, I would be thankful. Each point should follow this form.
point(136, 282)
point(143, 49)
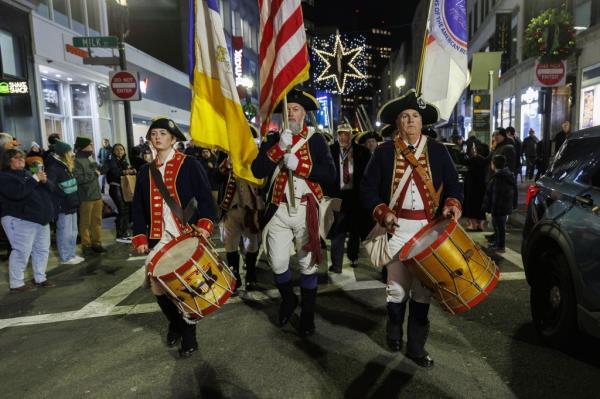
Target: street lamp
point(400, 83)
point(377, 124)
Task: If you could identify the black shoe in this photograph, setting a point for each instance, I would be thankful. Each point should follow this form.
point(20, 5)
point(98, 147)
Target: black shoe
point(334, 269)
point(395, 345)
point(87, 251)
point(23, 288)
point(286, 312)
point(424, 361)
point(45, 284)
point(185, 353)
point(98, 249)
point(307, 313)
point(354, 263)
point(173, 338)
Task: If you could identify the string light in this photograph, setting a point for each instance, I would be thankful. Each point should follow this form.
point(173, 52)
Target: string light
point(339, 63)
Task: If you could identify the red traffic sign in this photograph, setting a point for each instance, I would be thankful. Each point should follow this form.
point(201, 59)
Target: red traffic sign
point(550, 74)
point(125, 86)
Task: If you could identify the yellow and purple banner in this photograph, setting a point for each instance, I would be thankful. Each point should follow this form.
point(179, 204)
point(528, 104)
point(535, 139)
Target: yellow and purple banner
point(217, 118)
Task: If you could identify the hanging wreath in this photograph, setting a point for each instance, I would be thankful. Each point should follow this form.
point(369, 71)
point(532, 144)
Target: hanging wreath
point(550, 36)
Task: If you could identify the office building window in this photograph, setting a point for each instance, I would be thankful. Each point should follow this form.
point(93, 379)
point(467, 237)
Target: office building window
point(582, 13)
point(93, 17)
point(236, 23)
point(77, 14)
point(10, 55)
point(61, 12)
point(42, 7)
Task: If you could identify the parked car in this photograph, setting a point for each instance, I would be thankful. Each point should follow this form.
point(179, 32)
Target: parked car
point(561, 241)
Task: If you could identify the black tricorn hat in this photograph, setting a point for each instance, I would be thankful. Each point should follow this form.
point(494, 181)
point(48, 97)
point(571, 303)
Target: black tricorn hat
point(364, 136)
point(167, 124)
point(307, 100)
point(388, 130)
point(390, 110)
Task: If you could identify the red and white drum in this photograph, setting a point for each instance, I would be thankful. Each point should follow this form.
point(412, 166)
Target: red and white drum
point(190, 271)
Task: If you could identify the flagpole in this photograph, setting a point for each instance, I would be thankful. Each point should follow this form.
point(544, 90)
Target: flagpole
point(366, 117)
point(291, 196)
point(423, 50)
point(359, 120)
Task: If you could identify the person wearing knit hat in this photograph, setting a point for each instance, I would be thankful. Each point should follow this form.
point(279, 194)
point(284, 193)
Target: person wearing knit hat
point(90, 211)
point(59, 168)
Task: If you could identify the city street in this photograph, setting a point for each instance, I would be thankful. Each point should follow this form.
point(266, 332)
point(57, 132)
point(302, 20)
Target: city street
point(98, 334)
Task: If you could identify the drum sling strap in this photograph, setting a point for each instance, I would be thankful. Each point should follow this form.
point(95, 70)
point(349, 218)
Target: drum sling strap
point(184, 216)
point(410, 157)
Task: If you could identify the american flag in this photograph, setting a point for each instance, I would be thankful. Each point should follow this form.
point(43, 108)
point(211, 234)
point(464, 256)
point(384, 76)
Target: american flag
point(283, 56)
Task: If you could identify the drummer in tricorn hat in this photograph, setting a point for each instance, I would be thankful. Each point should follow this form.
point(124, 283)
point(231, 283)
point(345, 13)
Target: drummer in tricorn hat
point(155, 224)
point(304, 152)
point(422, 197)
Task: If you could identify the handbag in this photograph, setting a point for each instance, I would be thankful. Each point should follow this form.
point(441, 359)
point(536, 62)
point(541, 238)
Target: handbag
point(127, 187)
point(376, 243)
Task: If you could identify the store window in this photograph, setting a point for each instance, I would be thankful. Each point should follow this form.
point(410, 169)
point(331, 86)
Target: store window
point(42, 7)
point(81, 110)
point(530, 118)
point(78, 16)
point(589, 114)
point(61, 12)
point(226, 15)
point(103, 104)
point(10, 55)
point(52, 97)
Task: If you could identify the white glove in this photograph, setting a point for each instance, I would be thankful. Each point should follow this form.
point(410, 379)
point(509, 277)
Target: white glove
point(290, 161)
point(285, 139)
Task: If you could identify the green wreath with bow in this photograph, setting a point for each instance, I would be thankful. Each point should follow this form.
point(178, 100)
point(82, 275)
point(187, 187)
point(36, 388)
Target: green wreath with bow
point(550, 36)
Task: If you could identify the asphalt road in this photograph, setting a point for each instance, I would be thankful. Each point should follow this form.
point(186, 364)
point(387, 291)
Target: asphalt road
point(98, 334)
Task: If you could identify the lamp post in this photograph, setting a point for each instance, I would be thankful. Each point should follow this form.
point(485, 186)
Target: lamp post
point(400, 83)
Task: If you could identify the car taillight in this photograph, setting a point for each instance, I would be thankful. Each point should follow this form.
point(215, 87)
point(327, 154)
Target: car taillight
point(531, 192)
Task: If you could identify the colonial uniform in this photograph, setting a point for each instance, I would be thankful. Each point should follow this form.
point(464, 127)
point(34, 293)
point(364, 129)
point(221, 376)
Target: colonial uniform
point(154, 224)
point(415, 208)
point(239, 203)
point(350, 165)
point(284, 225)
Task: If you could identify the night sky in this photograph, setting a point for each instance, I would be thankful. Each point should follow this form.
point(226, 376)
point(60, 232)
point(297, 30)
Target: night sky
point(358, 16)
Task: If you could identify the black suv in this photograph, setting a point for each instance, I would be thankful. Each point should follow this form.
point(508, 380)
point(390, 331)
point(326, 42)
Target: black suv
point(561, 241)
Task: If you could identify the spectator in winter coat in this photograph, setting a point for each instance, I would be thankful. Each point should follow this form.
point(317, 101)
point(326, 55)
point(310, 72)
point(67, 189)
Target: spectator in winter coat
point(115, 167)
point(103, 155)
point(90, 211)
point(26, 213)
point(60, 165)
point(518, 144)
point(503, 146)
point(530, 152)
point(500, 200)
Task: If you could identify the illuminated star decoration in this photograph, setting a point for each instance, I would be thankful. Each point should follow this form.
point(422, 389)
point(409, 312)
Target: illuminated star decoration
point(341, 65)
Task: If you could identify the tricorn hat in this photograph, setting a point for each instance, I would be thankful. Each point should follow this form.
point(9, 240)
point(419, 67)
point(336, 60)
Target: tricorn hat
point(307, 100)
point(388, 131)
point(364, 136)
point(345, 127)
point(390, 110)
point(165, 123)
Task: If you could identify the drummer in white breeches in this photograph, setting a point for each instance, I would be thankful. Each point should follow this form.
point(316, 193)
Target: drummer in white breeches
point(419, 174)
point(155, 223)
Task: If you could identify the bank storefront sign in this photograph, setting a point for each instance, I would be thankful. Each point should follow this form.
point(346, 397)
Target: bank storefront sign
point(16, 87)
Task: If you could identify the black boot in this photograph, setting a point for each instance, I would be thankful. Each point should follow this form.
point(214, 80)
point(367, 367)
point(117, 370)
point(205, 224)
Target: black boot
point(233, 260)
point(170, 310)
point(189, 345)
point(307, 314)
point(251, 270)
point(418, 331)
point(394, 325)
point(289, 301)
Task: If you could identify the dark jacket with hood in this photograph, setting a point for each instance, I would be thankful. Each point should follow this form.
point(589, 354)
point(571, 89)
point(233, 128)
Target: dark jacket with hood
point(501, 193)
point(65, 197)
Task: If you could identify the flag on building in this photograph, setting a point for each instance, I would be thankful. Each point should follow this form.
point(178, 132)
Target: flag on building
point(217, 118)
point(283, 56)
point(445, 69)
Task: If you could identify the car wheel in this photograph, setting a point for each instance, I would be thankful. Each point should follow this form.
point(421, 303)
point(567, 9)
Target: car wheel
point(553, 304)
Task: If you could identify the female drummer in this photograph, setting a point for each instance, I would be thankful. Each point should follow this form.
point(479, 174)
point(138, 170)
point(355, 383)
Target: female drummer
point(419, 202)
point(154, 224)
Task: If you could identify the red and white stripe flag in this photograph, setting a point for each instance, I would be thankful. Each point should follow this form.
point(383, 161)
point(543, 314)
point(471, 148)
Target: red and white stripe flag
point(283, 56)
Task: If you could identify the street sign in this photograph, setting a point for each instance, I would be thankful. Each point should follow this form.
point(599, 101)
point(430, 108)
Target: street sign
point(109, 61)
point(95, 41)
point(550, 74)
point(124, 86)
point(13, 87)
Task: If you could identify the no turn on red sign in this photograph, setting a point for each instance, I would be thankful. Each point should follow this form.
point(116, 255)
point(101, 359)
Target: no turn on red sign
point(550, 74)
point(125, 86)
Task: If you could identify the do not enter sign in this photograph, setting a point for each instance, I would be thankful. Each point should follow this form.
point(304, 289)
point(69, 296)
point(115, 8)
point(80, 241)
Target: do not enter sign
point(550, 74)
point(125, 86)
